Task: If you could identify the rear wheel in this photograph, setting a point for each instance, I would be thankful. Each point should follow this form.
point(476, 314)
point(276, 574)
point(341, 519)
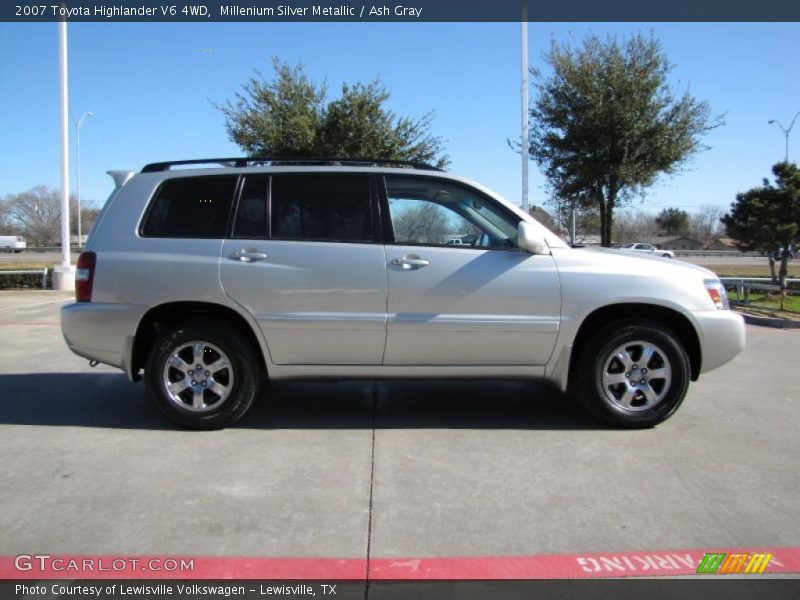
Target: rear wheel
point(202, 375)
point(633, 374)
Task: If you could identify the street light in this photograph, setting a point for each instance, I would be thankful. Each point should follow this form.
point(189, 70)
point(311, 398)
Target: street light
point(786, 131)
point(78, 123)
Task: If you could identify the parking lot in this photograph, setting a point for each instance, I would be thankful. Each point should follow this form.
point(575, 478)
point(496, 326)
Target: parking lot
point(377, 470)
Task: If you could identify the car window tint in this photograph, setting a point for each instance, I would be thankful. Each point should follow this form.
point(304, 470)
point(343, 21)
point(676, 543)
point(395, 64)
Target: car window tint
point(321, 207)
point(251, 214)
point(191, 207)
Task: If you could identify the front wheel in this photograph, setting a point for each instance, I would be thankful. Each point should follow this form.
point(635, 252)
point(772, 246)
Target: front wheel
point(633, 374)
point(202, 375)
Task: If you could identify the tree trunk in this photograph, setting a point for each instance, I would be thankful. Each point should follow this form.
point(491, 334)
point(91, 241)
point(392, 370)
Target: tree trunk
point(782, 277)
point(601, 204)
point(774, 279)
point(606, 223)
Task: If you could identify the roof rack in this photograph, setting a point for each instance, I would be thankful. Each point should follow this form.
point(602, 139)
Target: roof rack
point(282, 161)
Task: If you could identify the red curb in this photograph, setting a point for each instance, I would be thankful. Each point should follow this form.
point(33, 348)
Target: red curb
point(554, 566)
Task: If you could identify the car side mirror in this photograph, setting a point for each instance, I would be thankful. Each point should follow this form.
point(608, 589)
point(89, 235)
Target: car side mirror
point(529, 238)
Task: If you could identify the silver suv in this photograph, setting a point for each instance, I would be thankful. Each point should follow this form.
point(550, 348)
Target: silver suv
point(215, 280)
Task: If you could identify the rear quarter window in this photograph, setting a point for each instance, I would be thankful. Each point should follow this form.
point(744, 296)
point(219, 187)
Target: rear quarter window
point(191, 207)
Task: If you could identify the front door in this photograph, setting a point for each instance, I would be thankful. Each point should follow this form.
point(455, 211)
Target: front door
point(460, 291)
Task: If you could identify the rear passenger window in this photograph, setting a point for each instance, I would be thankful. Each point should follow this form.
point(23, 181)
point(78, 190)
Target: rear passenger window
point(321, 207)
point(191, 207)
point(251, 214)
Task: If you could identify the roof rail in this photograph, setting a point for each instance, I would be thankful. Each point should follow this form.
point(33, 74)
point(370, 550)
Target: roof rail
point(280, 161)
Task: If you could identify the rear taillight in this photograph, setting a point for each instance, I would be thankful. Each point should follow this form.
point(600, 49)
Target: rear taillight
point(84, 276)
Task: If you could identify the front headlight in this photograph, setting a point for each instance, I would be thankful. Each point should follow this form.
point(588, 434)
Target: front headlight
point(717, 293)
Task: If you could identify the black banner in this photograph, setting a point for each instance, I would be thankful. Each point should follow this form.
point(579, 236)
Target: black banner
point(415, 11)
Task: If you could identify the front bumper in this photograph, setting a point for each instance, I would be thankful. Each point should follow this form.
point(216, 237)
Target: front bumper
point(102, 332)
point(722, 336)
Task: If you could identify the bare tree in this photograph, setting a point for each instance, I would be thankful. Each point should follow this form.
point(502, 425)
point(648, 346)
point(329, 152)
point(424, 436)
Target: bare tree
point(6, 227)
point(705, 225)
point(36, 214)
point(637, 226)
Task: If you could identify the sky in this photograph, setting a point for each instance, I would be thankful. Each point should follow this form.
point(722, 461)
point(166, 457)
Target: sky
point(151, 89)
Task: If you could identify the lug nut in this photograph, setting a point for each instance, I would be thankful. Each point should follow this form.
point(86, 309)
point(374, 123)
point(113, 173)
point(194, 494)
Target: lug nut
point(207, 373)
point(199, 366)
point(204, 384)
point(627, 374)
point(642, 382)
point(194, 382)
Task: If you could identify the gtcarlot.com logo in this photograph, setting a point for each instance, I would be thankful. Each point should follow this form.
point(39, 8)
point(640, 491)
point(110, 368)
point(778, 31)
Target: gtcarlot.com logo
point(735, 563)
point(44, 563)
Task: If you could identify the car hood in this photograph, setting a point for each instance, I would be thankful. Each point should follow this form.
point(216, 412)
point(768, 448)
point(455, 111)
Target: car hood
point(631, 261)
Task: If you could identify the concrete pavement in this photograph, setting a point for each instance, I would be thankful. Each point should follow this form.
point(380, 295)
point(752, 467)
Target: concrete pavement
point(405, 469)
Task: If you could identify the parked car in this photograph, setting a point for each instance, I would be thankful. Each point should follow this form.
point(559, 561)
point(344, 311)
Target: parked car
point(648, 248)
point(214, 281)
point(12, 243)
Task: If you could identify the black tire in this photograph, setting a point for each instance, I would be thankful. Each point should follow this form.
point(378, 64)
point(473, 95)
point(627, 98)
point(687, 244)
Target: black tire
point(624, 405)
point(238, 380)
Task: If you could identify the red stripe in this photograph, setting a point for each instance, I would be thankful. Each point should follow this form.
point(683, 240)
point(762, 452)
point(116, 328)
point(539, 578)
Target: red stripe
point(553, 566)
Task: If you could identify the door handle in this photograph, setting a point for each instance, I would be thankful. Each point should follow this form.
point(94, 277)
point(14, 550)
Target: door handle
point(247, 256)
point(411, 261)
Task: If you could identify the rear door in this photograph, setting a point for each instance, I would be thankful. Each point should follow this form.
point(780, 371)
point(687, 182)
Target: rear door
point(305, 260)
point(480, 302)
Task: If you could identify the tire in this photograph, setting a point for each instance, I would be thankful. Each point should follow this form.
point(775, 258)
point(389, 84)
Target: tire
point(213, 397)
point(612, 359)
point(666, 255)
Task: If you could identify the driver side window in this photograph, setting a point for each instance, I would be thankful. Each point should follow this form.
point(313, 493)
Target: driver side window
point(419, 222)
point(428, 212)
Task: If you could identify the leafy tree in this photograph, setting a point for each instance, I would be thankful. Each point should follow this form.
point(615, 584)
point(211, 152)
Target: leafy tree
point(767, 218)
point(545, 218)
point(291, 116)
point(673, 221)
point(606, 123)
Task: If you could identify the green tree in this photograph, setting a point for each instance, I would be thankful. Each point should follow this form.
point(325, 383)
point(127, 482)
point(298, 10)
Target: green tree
point(544, 217)
point(606, 123)
point(767, 219)
point(673, 221)
point(292, 116)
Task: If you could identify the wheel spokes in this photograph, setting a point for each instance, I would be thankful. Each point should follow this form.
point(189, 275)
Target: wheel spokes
point(643, 364)
point(185, 384)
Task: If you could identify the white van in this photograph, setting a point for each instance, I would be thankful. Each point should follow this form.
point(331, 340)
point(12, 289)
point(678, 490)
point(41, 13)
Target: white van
point(12, 243)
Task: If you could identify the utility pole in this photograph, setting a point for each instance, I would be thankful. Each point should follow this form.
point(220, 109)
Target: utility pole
point(524, 104)
point(64, 275)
